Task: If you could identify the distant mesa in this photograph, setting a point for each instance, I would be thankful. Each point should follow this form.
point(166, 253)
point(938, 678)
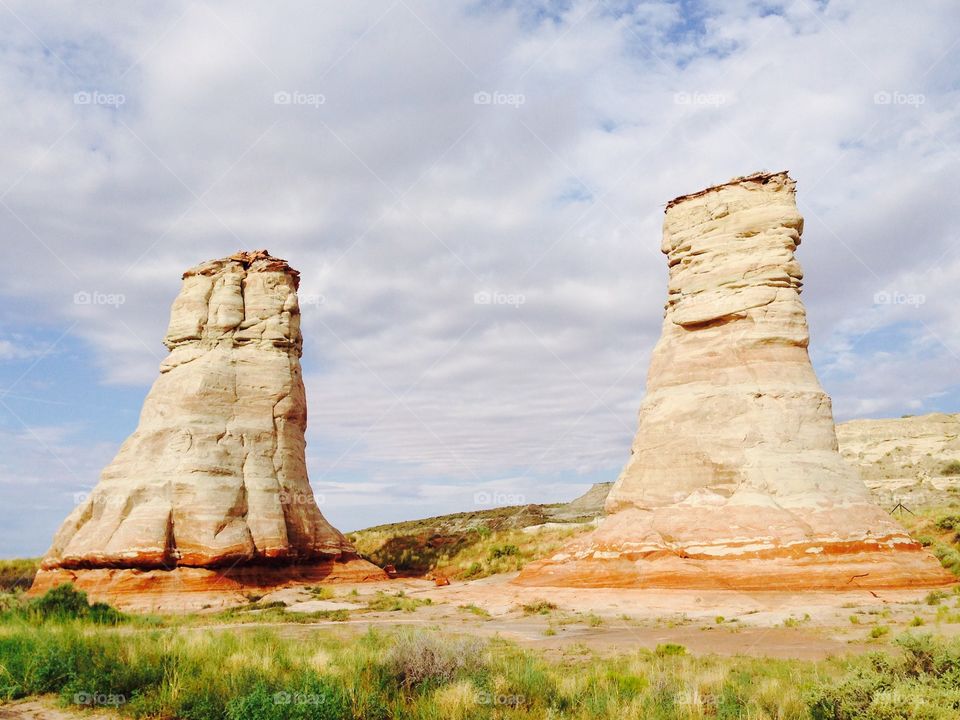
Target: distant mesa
point(734, 478)
point(209, 496)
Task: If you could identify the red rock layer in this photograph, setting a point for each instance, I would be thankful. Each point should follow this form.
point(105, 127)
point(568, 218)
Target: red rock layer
point(185, 589)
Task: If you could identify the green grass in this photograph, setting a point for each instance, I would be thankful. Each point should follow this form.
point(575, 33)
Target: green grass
point(538, 607)
point(180, 671)
point(395, 602)
point(18, 574)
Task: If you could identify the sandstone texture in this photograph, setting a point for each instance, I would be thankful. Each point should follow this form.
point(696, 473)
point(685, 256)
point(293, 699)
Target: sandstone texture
point(211, 492)
point(734, 478)
point(914, 459)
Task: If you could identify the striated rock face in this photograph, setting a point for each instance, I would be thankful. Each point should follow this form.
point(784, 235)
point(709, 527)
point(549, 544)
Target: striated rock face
point(734, 478)
point(212, 486)
point(914, 460)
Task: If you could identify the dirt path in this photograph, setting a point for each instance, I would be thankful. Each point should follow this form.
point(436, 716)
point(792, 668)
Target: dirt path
point(46, 708)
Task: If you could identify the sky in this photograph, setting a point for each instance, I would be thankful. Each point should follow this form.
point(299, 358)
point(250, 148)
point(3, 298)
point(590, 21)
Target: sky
point(473, 193)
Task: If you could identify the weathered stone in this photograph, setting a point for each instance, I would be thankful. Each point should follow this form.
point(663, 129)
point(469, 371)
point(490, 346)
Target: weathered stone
point(211, 488)
point(914, 460)
point(734, 478)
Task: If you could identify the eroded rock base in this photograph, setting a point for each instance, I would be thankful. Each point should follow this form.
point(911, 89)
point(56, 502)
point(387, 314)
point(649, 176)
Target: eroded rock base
point(187, 589)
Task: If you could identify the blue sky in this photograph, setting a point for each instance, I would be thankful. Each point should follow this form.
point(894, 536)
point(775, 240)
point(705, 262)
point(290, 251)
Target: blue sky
point(139, 140)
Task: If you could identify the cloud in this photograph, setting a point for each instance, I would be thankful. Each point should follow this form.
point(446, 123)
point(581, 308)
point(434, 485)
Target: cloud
point(525, 149)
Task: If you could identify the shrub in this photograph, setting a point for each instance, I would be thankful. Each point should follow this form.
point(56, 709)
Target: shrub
point(17, 574)
point(64, 602)
point(424, 657)
point(879, 631)
point(951, 468)
point(501, 551)
point(394, 603)
point(667, 649)
point(949, 522)
point(313, 699)
point(539, 607)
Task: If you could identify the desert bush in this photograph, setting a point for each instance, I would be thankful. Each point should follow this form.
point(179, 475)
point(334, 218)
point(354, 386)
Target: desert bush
point(502, 551)
point(951, 468)
point(667, 649)
point(538, 607)
point(948, 522)
point(921, 683)
point(61, 603)
point(423, 657)
point(312, 698)
point(18, 574)
point(385, 602)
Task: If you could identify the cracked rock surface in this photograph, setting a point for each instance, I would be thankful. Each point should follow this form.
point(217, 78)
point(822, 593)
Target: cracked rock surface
point(734, 477)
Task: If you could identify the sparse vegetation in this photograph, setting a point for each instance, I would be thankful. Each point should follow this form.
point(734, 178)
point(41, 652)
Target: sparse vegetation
point(951, 468)
point(539, 607)
point(396, 602)
point(464, 546)
point(18, 574)
point(257, 674)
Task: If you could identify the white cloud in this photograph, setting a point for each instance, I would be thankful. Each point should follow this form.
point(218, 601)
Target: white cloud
point(399, 198)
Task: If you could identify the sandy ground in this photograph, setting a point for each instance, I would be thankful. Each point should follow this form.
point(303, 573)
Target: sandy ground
point(810, 625)
point(47, 708)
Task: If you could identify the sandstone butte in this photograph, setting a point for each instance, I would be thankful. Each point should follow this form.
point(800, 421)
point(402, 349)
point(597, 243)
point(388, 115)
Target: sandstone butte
point(209, 497)
point(734, 478)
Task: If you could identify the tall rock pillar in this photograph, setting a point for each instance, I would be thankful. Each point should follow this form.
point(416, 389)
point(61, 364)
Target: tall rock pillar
point(210, 493)
point(734, 478)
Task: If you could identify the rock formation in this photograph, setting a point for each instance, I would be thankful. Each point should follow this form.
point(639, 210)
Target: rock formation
point(734, 478)
point(210, 494)
point(913, 459)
